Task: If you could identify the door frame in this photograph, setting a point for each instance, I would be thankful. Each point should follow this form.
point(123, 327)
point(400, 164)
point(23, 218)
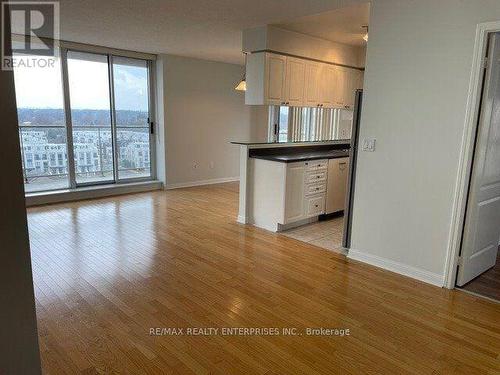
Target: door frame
point(461, 190)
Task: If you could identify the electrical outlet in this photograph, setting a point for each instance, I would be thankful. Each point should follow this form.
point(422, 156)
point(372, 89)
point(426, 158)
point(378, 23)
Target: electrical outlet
point(368, 144)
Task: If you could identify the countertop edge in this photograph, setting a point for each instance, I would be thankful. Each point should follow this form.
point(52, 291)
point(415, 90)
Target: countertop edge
point(277, 159)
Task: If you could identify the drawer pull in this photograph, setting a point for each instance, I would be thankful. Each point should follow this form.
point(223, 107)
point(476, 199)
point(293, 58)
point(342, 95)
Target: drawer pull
point(318, 176)
point(316, 205)
point(317, 188)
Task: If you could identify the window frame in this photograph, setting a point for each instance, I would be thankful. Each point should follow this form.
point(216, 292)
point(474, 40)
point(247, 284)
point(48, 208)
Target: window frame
point(150, 60)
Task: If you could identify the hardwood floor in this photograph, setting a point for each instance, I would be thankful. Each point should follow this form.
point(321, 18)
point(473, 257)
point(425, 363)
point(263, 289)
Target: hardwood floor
point(488, 283)
point(106, 271)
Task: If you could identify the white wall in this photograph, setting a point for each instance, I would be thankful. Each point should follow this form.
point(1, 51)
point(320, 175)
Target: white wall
point(416, 85)
point(291, 42)
point(202, 114)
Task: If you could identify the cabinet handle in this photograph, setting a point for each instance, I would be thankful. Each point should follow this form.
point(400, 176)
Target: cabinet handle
point(316, 205)
point(317, 189)
point(320, 176)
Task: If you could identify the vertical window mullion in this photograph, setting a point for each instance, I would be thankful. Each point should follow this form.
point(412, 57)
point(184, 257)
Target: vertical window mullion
point(69, 122)
point(114, 144)
point(152, 121)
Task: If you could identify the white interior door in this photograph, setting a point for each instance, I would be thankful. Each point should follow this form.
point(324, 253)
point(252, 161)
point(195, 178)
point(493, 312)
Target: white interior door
point(482, 222)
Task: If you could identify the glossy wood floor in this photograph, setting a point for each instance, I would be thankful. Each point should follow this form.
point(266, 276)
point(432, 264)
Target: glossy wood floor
point(108, 270)
point(488, 283)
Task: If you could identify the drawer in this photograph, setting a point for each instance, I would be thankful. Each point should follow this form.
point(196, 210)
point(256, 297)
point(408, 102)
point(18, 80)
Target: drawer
point(314, 165)
point(315, 189)
point(315, 205)
point(315, 176)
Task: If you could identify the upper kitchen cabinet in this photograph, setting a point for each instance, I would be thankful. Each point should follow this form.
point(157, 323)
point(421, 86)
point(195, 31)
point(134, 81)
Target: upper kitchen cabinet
point(295, 80)
point(313, 92)
point(274, 79)
point(352, 80)
point(329, 89)
point(265, 79)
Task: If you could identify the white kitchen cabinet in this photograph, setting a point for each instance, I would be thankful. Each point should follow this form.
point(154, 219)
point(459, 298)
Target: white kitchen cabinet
point(353, 80)
point(265, 79)
point(314, 87)
point(287, 193)
point(329, 86)
point(315, 206)
point(294, 192)
point(274, 79)
point(295, 81)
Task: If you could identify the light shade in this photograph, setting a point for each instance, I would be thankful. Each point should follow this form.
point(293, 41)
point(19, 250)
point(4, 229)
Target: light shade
point(242, 86)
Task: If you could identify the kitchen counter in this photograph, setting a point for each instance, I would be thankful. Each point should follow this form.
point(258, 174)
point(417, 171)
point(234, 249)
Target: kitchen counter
point(303, 156)
point(254, 173)
point(294, 143)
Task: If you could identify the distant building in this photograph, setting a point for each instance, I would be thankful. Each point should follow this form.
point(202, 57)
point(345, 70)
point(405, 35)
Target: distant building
point(93, 152)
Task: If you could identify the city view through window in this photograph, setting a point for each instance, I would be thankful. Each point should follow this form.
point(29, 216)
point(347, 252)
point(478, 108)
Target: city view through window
point(97, 147)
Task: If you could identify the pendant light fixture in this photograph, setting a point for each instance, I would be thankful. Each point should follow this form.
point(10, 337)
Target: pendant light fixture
point(242, 85)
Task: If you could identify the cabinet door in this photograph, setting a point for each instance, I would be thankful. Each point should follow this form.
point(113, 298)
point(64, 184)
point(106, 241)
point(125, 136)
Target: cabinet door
point(352, 82)
point(295, 81)
point(328, 86)
point(340, 87)
point(275, 79)
point(313, 89)
point(294, 192)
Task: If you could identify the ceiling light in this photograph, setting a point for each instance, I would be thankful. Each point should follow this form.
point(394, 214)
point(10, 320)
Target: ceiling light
point(242, 85)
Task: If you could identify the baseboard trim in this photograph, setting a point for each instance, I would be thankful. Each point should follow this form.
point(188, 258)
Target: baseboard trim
point(242, 219)
point(213, 181)
point(402, 269)
point(91, 192)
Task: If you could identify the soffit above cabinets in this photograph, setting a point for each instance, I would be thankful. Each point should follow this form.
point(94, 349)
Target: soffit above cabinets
point(343, 25)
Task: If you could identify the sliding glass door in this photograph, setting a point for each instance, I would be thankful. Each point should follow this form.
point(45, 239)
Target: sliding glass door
point(85, 121)
point(90, 103)
point(131, 99)
point(42, 126)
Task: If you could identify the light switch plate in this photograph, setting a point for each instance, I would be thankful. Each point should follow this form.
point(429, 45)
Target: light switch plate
point(368, 144)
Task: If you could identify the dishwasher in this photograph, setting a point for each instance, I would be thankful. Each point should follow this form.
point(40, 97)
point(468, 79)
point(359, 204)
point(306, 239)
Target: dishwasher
point(336, 188)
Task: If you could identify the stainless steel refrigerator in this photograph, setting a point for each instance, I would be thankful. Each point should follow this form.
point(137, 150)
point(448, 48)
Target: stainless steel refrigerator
point(351, 178)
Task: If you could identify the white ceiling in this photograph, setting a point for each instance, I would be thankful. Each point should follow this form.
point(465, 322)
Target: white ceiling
point(208, 29)
point(341, 25)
